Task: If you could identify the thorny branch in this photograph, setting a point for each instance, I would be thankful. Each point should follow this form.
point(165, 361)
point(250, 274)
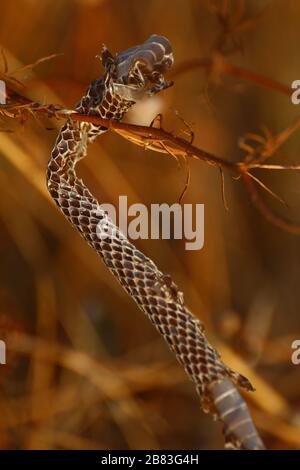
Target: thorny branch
point(160, 140)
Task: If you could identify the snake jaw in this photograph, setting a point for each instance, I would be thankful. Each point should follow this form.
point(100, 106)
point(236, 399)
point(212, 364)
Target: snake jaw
point(159, 84)
point(142, 76)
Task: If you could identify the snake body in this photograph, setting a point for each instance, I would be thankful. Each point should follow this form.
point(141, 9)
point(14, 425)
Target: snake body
point(128, 76)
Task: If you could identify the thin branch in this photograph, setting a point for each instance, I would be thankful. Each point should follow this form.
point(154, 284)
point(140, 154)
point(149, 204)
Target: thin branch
point(268, 214)
point(219, 65)
point(160, 140)
point(25, 68)
point(268, 190)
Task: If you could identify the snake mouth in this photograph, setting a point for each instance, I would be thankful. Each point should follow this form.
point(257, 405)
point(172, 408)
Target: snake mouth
point(146, 76)
point(140, 69)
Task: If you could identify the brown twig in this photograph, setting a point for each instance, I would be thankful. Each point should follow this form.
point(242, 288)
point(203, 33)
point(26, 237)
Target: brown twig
point(218, 65)
point(268, 214)
point(160, 140)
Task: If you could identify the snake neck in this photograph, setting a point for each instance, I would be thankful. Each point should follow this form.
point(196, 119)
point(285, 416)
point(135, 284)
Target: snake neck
point(104, 98)
point(101, 100)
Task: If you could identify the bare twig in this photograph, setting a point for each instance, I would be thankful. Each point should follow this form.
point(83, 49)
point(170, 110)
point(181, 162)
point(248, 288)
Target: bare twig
point(160, 140)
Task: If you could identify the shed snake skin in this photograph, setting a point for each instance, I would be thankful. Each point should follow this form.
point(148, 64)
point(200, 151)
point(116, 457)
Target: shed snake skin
point(129, 76)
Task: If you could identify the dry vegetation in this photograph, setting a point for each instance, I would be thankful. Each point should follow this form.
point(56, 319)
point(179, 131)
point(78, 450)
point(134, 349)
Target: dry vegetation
point(85, 369)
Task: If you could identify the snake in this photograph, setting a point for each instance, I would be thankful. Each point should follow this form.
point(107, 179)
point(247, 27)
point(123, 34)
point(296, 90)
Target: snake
point(129, 76)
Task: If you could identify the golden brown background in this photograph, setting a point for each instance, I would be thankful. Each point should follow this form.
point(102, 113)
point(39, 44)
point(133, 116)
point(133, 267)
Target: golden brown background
point(88, 370)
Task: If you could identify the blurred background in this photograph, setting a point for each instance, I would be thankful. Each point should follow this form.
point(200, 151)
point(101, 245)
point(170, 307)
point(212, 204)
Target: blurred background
point(88, 371)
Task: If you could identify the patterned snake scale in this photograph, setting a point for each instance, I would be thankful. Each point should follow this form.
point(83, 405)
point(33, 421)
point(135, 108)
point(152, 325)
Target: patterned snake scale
point(128, 77)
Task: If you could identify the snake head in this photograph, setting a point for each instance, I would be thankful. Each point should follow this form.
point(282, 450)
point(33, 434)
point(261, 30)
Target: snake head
point(140, 69)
